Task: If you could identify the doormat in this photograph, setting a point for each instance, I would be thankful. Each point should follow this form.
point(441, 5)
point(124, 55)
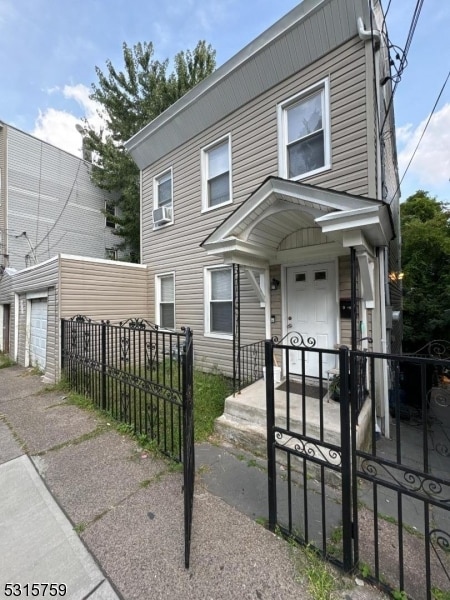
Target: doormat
point(295, 387)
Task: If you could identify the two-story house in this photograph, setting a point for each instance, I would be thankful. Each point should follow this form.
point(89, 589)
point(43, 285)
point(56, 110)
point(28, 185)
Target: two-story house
point(270, 192)
point(56, 245)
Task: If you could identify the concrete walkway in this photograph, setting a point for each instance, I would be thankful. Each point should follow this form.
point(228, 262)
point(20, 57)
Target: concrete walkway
point(84, 506)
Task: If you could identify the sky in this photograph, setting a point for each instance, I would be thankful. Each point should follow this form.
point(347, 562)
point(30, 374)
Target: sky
point(49, 50)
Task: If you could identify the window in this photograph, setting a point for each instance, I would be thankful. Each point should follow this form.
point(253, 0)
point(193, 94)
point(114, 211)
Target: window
point(165, 290)
point(111, 253)
point(163, 199)
point(219, 301)
point(304, 133)
point(216, 174)
point(110, 213)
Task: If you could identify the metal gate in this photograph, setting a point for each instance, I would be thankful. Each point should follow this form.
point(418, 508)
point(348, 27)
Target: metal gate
point(143, 376)
point(367, 503)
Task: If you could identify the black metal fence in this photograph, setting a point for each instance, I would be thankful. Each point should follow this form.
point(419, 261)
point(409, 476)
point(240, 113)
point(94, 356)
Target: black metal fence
point(365, 501)
point(141, 375)
point(249, 365)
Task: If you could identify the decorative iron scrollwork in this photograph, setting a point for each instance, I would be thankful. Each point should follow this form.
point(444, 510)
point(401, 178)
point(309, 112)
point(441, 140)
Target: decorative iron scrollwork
point(310, 449)
point(150, 355)
point(86, 341)
point(80, 319)
point(442, 539)
point(421, 484)
point(124, 348)
point(139, 324)
point(296, 339)
point(124, 406)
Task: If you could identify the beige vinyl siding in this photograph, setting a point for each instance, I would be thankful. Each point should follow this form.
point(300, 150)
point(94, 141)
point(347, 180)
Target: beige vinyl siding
point(254, 143)
point(37, 278)
point(53, 350)
point(103, 289)
point(21, 324)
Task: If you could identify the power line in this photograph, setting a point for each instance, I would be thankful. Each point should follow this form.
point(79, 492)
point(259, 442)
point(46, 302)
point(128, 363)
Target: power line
point(423, 133)
point(401, 56)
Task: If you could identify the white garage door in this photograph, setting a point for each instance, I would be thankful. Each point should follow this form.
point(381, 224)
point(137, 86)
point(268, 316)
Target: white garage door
point(38, 333)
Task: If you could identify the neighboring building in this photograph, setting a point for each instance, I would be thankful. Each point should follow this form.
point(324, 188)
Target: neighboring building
point(62, 287)
point(49, 206)
point(48, 203)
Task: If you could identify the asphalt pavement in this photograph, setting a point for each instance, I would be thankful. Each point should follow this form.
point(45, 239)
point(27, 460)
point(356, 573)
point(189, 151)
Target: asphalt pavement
point(86, 513)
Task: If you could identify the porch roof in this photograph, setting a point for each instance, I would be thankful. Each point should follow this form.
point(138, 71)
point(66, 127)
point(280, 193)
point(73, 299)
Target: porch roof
point(254, 231)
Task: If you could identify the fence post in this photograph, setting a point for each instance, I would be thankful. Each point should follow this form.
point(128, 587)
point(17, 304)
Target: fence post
point(63, 344)
point(270, 409)
point(103, 362)
point(347, 533)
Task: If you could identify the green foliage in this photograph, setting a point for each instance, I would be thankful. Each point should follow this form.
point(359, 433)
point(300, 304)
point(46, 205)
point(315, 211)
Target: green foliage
point(321, 581)
point(399, 595)
point(210, 391)
point(426, 265)
point(5, 361)
point(129, 100)
point(439, 594)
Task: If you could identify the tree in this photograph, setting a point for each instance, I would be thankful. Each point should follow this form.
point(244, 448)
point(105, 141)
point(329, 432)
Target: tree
point(425, 224)
point(129, 99)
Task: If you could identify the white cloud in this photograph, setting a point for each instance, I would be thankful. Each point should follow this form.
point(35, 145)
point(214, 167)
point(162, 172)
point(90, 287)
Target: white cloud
point(58, 126)
point(430, 166)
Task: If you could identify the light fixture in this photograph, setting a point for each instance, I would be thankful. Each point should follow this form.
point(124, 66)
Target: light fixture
point(274, 284)
point(396, 276)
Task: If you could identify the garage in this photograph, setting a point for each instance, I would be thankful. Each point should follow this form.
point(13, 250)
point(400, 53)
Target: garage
point(38, 333)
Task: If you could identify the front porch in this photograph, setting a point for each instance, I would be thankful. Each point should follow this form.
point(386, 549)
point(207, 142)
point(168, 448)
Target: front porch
point(244, 420)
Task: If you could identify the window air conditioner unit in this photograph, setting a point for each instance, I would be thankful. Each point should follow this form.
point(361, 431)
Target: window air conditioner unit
point(162, 215)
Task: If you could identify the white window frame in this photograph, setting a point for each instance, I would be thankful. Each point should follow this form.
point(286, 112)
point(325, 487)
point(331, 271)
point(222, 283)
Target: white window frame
point(156, 180)
point(205, 179)
point(282, 114)
point(111, 254)
point(158, 296)
point(108, 205)
point(207, 302)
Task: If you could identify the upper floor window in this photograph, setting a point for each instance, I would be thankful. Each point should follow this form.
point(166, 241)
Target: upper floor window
point(216, 174)
point(304, 137)
point(163, 198)
point(219, 301)
point(165, 301)
point(110, 213)
point(111, 253)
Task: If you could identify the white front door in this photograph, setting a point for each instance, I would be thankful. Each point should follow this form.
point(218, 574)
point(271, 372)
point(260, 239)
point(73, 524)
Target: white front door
point(312, 312)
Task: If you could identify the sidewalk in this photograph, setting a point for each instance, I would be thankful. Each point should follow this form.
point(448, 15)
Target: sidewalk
point(84, 506)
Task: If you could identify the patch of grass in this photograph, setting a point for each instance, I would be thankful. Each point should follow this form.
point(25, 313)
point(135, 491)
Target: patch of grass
point(399, 595)
point(80, 401)
point(80, 527)
point(364, 569)
point(252, 462)
point(6, 361)
point(321, 581)
point(439, 594)
point(210, 391)
point(334, 547)
point(60, 386)
point(262, 521)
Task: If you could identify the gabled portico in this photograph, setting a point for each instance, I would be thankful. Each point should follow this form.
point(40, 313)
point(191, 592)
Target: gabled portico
point(288, 223)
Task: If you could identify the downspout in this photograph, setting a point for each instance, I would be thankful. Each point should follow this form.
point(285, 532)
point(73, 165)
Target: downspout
point(383, 331)
point(268, 303)
point(366, 35)
point(369, 35)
